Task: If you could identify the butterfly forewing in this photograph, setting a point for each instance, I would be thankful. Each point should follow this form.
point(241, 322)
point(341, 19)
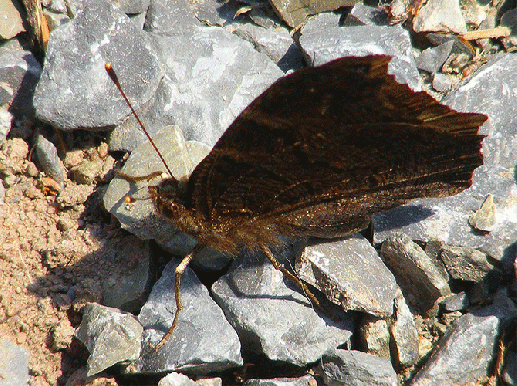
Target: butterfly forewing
point(324, 148)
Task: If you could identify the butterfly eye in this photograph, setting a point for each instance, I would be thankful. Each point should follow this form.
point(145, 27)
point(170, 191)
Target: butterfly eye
point(169, 188)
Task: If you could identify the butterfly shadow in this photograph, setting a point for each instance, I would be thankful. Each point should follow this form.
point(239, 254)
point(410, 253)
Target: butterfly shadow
point(401, 216)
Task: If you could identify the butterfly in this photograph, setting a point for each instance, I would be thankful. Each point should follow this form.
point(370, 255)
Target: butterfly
point(316, 155)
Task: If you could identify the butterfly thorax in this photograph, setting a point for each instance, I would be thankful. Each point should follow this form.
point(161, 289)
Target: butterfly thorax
point(227, 235)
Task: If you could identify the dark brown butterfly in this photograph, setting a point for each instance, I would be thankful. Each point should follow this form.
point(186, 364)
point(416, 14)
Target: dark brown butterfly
point(317, 154)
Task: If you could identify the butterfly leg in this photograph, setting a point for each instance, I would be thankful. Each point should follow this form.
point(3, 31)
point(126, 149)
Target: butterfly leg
point(180, 269)
point(290, 276)
point(129, 177)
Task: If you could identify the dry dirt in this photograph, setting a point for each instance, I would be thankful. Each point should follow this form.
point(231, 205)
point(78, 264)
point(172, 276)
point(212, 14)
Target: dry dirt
point(54, 254)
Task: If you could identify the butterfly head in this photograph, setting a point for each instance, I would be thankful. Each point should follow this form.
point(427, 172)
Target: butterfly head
point(167, 197)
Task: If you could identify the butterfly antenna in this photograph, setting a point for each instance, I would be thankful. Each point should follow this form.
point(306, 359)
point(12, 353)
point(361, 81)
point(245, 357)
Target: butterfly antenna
point(114, 78)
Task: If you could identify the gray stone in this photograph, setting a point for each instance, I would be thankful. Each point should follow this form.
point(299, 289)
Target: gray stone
point(100, 33)
point(11, 22)
point(405, 340)
point(6, 121)
point(19, 71)
point(432, 59)
point(213, 13)
point(133, 6)
point(351, 274)
point(455, 302)
point(465, 263)
point(446, 219)
point(127, 290)
point(170, 17)
point(444, 82)
point(140, 218)
point(143, 161)
point(206, 86)
point(14, 364)
point(374, 336)
point(398, 11)
point(271, 317)
point(484, 218)
point(277, 44)
point(322, 43)
point(54, 20)
point(295, 12)
point(422, 280)
point(459, 47)
point(2, 193)
point(111, 337)
point(48, 160)
point(302, 381)
point(58, 6)
point(464, 353)
point(176, 379)
point(356, 368)
point(365, 15)
point(203, 340)
point(87, 172)
point(206, 381)
point(440, 16)
point(263, 17)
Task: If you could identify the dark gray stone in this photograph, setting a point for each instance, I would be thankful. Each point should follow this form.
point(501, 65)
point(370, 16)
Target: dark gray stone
point(203, 340)
point(509, 19)
point(351, 274)
point(14, 364)
point(127, 290)
point(207, 84)
point(111, 337)
point(322, 42)
point(446, 219)
point(273, 318)
point(422, 280)
point(48, 160)
point(464, 353)
point(74, 90)
point(432, 59)
point(509, 374)
point(479, 294)
point(356, 368)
